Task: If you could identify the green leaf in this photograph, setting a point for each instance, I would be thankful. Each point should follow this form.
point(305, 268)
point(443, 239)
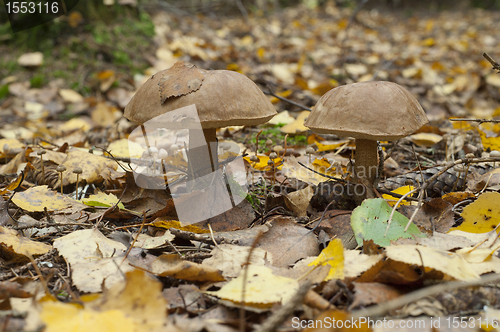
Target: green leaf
point(103, 200)
point(369, 222)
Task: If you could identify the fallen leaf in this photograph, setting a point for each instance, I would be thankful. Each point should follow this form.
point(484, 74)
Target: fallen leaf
point(34, 59)
point(262, 288)
point(481, 216)
point(230, 258)
point(179, 80)
point(447, 262)
point(369, 222)
point(333, 255)
point(169, 265)
point(296, 126)
point(36, 199)
point(13, 244)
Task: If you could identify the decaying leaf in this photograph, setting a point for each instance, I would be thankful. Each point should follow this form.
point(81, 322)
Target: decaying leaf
point(181, 79)
point(41, 197)
point(175, 267)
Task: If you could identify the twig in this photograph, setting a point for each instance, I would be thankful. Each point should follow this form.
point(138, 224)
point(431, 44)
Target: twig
point(135, 239)
point(386, 307)
point(495, 64)
point(476, 120)
point(271, 93)
point(326, 176)
point(395, 207)
point(25, 267)
point(245, 275)
point(278, 317)
point(205, 238)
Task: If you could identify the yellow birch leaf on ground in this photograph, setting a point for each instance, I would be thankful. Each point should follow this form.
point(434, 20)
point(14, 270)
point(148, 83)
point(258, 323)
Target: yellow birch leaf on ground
point(168, 265)
point(86, 245)
point(447, 262)
point(262, 165)
point(282, 117)
point(231, 258)
point(140, 300)
point(262, 288)
point(159, 222)
point(332, 255)
point(330, 147)
point(296, 126)
point(93, 167)
point(70, 96)
point(103, 200)
point(401, 190)
point(481, 216)
point(124, 148)
point(59, 316)
point(12, 244)
point(75, 124)
point(493, 143)
point(35, 199)
point(425, 139)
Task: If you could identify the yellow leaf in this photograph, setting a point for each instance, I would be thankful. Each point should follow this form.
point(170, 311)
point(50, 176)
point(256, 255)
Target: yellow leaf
point(330, 147)
point(261, 52)
point(262, 165)
point(167, 224)
point(332, 255)
point(481, 216)
point(262, 288)
point(74, 124)
point(401, 190)
point(12, 242)
point(447, 262)
point(92, 166)
point(296, 126)
point(37, 198)
point(171, 265)
point(493, 143)
point(124, 148)
point(234, 67)
point(425, 139)
point(103, 200)
point(428, 42)
point(59, 316)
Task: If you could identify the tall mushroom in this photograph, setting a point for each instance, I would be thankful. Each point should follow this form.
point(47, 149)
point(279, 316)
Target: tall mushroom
point(222, 98)
point(370, 112)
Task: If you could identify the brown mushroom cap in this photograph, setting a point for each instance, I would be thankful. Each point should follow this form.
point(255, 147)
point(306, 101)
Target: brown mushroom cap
point(367, 110)
point(224, 97)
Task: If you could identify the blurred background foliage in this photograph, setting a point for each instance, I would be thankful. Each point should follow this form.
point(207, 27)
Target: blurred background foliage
point(99, 34)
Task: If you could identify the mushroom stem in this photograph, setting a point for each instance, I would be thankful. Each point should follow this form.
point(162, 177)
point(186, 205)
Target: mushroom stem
point(203, 161)
point(366, 159)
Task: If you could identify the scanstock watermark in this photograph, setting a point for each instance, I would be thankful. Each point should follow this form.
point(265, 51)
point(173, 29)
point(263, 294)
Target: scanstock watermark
point(161, 149)
point(24, 15)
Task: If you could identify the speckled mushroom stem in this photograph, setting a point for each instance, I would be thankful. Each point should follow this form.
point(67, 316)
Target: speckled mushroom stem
point(366, 159)
point(203, 161)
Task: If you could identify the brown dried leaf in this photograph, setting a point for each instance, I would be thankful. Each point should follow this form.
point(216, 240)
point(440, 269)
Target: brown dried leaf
point(179, 80)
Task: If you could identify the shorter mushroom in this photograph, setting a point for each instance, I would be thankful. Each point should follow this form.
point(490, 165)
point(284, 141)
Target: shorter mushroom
point(61, 169)
point(77, 171)
point(310, 151)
